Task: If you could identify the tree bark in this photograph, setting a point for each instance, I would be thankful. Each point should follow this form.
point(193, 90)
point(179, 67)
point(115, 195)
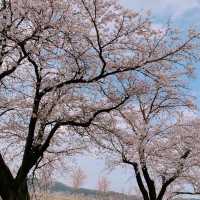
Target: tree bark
point(22, 192)
point(17, 193)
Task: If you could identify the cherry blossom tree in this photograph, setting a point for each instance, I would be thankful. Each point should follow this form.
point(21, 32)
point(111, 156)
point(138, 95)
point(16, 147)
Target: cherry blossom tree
point(152, 135)
point(63, 65)
point(103, 184)
point(78, 177)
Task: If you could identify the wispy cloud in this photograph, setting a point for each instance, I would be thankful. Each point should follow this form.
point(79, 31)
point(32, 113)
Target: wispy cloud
point(173, 8)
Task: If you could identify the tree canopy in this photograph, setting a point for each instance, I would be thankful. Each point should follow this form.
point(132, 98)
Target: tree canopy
point(65, 64)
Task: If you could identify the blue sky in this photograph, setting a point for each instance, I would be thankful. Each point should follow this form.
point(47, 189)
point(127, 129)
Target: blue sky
point(183, 13)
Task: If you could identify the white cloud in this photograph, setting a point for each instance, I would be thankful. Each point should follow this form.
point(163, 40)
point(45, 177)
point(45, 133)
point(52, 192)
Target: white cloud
point(172, 8)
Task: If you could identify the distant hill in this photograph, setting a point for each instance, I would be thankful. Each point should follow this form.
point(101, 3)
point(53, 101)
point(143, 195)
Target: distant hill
point(58, 187)
point(66, 191)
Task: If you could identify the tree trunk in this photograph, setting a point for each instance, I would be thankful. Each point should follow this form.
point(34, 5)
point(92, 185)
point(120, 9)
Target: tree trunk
point(19, 196)
point(18, 193)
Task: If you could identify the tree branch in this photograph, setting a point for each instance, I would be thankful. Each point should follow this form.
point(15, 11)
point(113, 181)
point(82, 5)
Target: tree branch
point(174, 177)
point(138, 177)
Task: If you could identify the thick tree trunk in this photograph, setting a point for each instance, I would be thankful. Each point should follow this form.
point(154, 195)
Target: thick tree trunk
point(19, 196)
point(23, 193)
point(18, 193)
